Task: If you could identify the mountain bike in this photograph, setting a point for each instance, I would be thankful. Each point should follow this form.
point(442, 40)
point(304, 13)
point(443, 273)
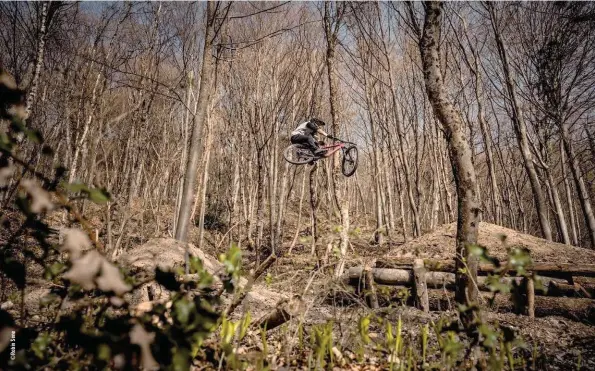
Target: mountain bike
point(299, 154)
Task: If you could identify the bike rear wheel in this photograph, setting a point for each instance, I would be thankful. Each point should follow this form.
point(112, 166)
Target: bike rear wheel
point(298, 155)
point(349, 164)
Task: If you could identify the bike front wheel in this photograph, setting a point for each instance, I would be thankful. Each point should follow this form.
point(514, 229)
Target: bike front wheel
point(349, 164)
point(298, 155)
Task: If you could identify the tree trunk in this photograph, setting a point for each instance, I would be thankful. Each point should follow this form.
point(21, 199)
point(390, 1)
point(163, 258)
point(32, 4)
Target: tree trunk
point(39, 58)
point(207, 76)
point(581, 189)
point(569, 200)
point(521, 131)
point(299, 220)
point(201, 196)
point(313, 206)
point(460, 154)
point(561, 219)
point(340, 186)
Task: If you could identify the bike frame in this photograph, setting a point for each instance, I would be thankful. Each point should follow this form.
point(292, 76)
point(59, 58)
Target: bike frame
point(332, 148)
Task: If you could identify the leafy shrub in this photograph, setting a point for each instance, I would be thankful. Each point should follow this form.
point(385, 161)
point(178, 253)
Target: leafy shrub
point(90, 323)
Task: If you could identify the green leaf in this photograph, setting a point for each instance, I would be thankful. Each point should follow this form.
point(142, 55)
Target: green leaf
point(232, 260)
point(228, 329)
point(268, 279)
point(355, 232)
point(244, 325)
point(476, 250)
point(495, 285)
point(364, 329)
point(481, 252)
point(389, 335)
point(34, 136)
point(452, 346)
point(54, 271)
point(539, 286)
point(99, 195)
point(104, 352)
point(519, 258)
point(6, 143)
point(75, 187)
point(181, 359)
point(490, 336)
point(183, 309)
point(18, 126)
point(40, 344)
point(305, 239)
point(195, 265)
point(48, 299)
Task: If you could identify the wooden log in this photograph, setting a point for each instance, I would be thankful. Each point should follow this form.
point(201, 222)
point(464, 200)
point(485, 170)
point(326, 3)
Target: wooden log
point(348, 295)
point(441, 280)
point(264, 266)
point(530, 297)
point(407, 263)
point(382, 276)
point(371, 296)
point(421, 289)
point(581, 309)
point(577, 290)
point(587, 282)
point(449, 266)
point(577, 309)
point(285, 310)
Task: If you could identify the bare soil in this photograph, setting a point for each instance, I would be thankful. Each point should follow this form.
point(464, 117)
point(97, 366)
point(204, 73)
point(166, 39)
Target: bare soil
point(559, 342)
point(441, 243)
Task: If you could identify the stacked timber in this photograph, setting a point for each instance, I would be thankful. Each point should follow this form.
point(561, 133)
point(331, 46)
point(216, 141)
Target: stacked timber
point(550, 289)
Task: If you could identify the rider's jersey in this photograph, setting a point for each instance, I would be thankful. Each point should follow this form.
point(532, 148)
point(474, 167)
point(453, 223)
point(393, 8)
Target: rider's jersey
point(307, 128)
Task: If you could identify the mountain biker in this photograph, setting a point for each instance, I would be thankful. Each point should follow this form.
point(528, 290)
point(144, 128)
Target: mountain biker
point(304, 134)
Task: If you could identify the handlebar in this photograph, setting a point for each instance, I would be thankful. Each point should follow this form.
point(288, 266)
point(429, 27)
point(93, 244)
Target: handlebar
point(339, 140)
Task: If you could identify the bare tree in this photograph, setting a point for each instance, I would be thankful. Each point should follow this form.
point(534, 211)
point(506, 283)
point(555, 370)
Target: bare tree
point(520, 127)
point(333, 17)
point(207, 76)
point(469, 211)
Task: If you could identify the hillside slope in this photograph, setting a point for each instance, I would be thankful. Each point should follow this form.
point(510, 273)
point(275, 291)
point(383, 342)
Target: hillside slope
point(440, 244)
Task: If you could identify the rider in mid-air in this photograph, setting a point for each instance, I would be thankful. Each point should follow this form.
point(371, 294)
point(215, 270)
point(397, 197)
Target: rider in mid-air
point(304, 134)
